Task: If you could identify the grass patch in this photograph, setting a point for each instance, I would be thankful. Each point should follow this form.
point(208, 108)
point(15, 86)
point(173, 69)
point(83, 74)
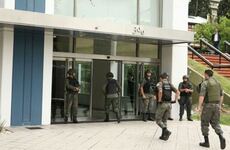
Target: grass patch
point(224, 116)
point(225, 82)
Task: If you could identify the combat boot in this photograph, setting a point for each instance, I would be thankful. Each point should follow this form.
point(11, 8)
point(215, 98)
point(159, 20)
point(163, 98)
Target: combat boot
point(222, 141)
point(65, 119)
point(151, 117)
point(206, 142)
point(106, 118)
point(144, 117)
point(165, 134)
point(75, 120)
point(180, 118)
point(118, 118)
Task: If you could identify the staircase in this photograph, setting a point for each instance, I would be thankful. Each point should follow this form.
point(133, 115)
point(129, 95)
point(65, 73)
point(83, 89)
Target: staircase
point(215, 60)
point(219, 62)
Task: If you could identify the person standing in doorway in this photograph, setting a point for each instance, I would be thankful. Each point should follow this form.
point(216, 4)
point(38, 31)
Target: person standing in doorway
point(186, 90)
point(148, 92)
point(112, 90)
point(164, 99)
point(211, 97)
point(72, 90)
point(131, 87)
point(216, 39)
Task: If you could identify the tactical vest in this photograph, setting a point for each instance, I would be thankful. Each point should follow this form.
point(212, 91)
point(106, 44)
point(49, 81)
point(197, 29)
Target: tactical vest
point(166, 92)
point(111, 87)
point(213, 90)
point(185, 86)
point(72, 82)
point(149, 86)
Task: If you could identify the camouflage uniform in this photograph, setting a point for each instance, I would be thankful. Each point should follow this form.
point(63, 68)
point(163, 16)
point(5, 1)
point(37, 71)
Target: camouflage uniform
point(149, 103)
point(211, 108)
point(163, 108)
point(112, 97)
point(71, 102)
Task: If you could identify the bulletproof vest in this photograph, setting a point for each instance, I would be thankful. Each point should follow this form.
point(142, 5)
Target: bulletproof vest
point(111, 87)
point(166, 91)
point(185, 85)
point(149, 86)
point(73, 82)
point(213, 90)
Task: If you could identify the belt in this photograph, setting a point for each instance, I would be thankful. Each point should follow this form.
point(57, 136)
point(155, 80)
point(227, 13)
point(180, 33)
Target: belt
point(166, 101)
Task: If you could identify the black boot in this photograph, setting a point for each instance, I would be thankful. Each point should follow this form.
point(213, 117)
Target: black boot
point(180, 118)
point(190, 119)
point(65, 119)
point(222, 141)
point(118, 117)
point(144, 117)
point(106, 118)
point(151, 117)
point(75, 120)
point(206, 142)
point(165, 134)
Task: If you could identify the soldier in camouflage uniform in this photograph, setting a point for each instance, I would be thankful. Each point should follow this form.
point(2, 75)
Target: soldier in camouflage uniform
point(211, 97)
point(148, 93)
point(164, 95)
point(72, 90)
point(111, 90)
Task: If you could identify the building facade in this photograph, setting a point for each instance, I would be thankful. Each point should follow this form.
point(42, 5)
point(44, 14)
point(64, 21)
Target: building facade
point(41, 39)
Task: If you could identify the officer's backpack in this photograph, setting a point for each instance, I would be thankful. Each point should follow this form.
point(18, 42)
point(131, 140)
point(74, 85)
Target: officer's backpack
point(111, 87)
point(167, 92)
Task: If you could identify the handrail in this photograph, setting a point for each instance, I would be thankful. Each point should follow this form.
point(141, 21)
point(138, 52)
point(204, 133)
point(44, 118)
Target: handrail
point(210, 64)
point(226, 44)
point(200, 56)
point(215, 49)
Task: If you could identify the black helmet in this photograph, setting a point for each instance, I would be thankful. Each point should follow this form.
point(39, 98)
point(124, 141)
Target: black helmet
point(147, 71)
point(164, 75)
point(185, 77)
point(109, 75)
point(71, 71)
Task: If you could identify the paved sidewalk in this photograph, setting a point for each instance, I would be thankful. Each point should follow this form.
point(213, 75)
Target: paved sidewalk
point(129, 135)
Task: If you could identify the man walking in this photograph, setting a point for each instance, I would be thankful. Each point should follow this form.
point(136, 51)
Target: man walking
point(164, 100)
point(111, 91)
point(211, 97)
point(186, 90)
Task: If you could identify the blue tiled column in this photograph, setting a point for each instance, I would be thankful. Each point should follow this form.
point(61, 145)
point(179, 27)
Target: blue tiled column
point(28, 69)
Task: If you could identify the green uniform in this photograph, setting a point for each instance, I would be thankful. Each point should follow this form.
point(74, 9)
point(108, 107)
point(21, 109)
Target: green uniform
point(212, 91)
point(149, 103)
point(163, 108)
point(112, 90)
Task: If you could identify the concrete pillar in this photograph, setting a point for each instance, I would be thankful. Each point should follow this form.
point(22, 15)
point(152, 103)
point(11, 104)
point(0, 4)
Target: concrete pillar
point(9, 4)
point(6, 68)
point(47, 77)
point(174, 18)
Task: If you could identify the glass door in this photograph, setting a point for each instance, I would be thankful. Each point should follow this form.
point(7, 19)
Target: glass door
point(83, 74)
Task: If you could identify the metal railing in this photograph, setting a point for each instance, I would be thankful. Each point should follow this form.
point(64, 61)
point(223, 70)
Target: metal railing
point(209, 63)
point(216, 51)
point(227, 47)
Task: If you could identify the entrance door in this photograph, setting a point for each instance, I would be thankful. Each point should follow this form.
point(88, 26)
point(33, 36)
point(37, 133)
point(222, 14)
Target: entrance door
point(100, 69)
point(91, 74)
point(83, 75)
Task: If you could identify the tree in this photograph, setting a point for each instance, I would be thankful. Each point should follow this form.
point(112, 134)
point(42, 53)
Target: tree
point(206, 31)
point(199, 8)
point(224, 9)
